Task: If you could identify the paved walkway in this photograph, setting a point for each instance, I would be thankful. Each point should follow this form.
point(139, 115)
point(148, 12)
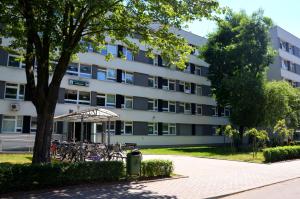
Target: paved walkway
point(206, 178)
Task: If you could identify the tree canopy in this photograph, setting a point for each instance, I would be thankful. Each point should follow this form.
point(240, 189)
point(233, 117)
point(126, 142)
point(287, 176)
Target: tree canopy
point(57, 30)
point(239, 53)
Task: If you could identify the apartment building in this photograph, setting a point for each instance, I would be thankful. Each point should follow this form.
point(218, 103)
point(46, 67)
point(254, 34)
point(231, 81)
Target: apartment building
point(157, 104)
point(286, 64)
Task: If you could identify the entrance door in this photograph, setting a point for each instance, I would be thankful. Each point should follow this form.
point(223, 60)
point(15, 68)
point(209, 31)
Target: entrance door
point(86, 131)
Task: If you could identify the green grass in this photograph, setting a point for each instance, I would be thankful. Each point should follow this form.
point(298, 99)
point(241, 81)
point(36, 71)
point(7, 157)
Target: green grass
point(15, 158)
point(217, 152)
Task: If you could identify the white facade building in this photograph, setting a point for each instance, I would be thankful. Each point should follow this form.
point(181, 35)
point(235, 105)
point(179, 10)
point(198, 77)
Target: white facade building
point(157, 105)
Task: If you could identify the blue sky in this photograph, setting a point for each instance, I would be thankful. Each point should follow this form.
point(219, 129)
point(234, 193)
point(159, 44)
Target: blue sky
point(284, 13)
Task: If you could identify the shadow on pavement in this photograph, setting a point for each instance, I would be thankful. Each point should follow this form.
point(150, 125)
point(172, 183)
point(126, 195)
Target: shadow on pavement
point(113, 191)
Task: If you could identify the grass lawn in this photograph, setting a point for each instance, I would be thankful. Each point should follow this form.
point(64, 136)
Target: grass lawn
point(16, 158)
point(217, 152)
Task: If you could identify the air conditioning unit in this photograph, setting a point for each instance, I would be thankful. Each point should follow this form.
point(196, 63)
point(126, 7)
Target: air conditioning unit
point(14, 107)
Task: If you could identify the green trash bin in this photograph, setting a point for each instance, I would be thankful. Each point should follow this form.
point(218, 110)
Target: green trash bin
point(133, 163)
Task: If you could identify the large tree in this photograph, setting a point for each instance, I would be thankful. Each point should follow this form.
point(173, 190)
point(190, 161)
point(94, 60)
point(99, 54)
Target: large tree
point(282, 103)
point(58, 29)
point(239, 53)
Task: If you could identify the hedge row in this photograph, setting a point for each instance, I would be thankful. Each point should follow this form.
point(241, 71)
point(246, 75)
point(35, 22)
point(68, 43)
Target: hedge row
point(157, 168)
point(281, 153)
point(27, 177)
point(18, 177)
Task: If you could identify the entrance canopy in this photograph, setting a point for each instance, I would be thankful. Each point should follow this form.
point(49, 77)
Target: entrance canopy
point(88, 115)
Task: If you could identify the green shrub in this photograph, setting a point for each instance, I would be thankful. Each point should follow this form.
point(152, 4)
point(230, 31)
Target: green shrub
point(15, 177)
point(157, 168)
point(281, 153)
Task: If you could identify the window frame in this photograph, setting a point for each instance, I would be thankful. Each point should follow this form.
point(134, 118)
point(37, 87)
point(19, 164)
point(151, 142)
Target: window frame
point(21, 64)
point(125, 75)
point(124, 124)
point(154, 126)
point(18, 89)
point(110, 78)
point(187, 111)
point(15, 119)
point(199, 106)
point(172, 103)
point(109, 104)
point(126, 99)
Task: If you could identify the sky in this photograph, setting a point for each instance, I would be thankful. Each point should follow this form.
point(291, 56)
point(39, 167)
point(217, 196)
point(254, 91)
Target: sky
point(284, 13)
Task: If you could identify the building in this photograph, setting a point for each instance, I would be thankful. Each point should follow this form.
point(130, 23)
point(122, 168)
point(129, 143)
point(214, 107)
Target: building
point(157, 104)
point(286, 64)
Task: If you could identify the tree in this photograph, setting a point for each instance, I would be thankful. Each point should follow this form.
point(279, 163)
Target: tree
point(258, 136)
point(239, 52)
point(282, 102)
point(282, 134)
point(231, 133)
point(57, 30)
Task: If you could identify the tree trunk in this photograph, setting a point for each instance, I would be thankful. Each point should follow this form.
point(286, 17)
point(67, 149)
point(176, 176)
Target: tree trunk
point(41, 151)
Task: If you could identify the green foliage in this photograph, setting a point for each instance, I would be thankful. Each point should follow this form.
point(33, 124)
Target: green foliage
point(239, 52)
point(231, 133)
point(282, 134)
point(15, 177)
point(281, 153)
point(282, 102)
point(157, 168)
point(259, 137)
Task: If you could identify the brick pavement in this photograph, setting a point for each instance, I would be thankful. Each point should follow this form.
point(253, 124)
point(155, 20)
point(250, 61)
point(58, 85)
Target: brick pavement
point(206, 178)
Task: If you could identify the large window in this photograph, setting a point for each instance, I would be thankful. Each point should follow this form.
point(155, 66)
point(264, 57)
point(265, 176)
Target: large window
point(198, 70)
point(165, 128)
point(152, 128)
point(172, 129)
point(152, 82)
point(127, 77)
point(152, 104)
point(128, 102)
point(172, 85)
point(15, 61)
point(187, 87)
point(100, 99)
point(14, 91)
point(165, 106)
point(172, 107)
point(101, 74)
point(187, 108)
point(110, 100)
point(111, 74)
point(77, 97)
point(81, 70)
point(110, 49)
point(165, 84)
point(215, 111)
point(12, 124)
point(33, 124)
point(128, 54)
point(127, 128)
point(112, 127)
point(199, 109)
point(180, 108)
point(169, 129)
point(181, 86)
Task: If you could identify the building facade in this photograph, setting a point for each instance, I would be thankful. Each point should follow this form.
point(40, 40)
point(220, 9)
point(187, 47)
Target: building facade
point(157, 104)
point(286, 64)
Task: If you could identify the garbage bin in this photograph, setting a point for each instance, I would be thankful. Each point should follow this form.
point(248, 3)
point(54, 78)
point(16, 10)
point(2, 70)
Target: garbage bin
point(133, 163)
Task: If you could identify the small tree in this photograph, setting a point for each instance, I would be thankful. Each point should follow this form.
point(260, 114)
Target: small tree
point(232, 134)
point(258, 137)
point(282, 133)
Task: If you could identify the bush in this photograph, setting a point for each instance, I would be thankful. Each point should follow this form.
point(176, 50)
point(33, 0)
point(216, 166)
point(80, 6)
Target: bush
point(157, 168)
point(281, 153)
point(15, 177)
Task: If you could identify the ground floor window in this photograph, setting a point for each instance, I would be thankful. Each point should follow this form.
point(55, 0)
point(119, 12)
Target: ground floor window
point(12, 124)
point(127, 128)
point(152, 128)
point(169, 129)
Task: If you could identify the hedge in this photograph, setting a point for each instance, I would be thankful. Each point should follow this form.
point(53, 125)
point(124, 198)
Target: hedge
point(281, 153)
point(33, 176)
point(157, 168)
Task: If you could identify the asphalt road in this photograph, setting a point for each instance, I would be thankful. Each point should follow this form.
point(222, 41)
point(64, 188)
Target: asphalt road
point(285, 190)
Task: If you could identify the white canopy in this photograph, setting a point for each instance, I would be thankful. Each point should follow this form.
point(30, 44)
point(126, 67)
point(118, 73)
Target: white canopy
point(88, 115)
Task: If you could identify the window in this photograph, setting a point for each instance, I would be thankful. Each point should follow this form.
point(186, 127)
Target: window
point(215, 111)
point(166, 63)
point(187, 68)
point(181, 86)
point(180, 107)
point(33, 124)
point(15, 61)
point(128, 54)
point(112, 128)
point(169, 129)
point(172, 129)
point(72, 69)
point(77, 97)
point(152, 82)
point(199, 109)
point(172, 107)
point(14, 91)
point(172, 84)
point(85, 71)
point(84, 97)
point(293, 67)
point(199, 90)
point(12, 124)
point(198, 70)
point(155, 60)
point(152, 104)
point(165, 84)
point(165, 106)
point(110, 49)
point(127, 77)
point(127, 128)
point(187, 87)
point(286, 64)
point(152, 128)
point(128, 102)
point(100, 99)
point(165, 128)
point(111, 74)
point(110, 100)
point(101, 74)
point(187, 108)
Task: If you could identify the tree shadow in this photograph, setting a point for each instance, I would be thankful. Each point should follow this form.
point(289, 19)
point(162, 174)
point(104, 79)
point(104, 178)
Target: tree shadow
point(213, 150)
point(116, 191)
